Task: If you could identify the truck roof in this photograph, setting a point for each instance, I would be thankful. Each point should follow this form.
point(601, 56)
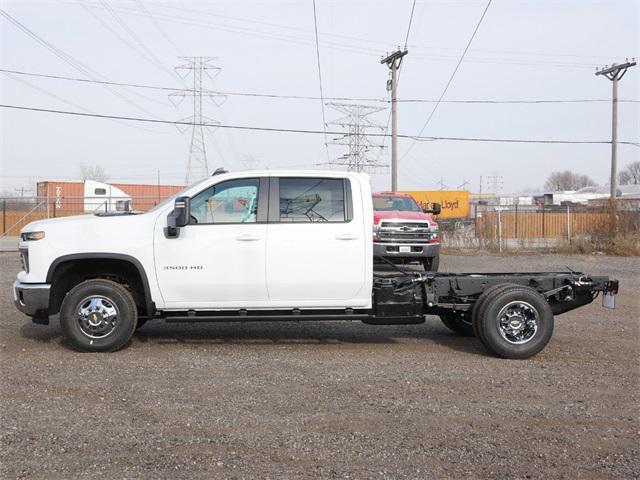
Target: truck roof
point(295, 173)
point(390, 194)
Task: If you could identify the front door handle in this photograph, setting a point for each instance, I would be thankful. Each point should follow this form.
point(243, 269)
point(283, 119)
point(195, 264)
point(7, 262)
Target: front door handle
point(347, 236)
point(247, 238)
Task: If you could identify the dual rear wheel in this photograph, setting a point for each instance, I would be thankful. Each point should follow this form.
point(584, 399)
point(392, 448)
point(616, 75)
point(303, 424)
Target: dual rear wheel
point(511, 321)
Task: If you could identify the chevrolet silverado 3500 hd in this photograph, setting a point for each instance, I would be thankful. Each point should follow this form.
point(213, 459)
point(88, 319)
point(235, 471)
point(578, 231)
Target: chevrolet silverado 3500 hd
point(269, 245)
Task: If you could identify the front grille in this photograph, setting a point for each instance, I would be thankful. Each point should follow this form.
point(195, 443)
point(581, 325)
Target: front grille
point(405, 232)
point(24, 257)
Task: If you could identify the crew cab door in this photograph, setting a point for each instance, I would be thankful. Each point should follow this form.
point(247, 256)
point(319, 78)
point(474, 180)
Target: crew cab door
point(218, 259)
point(316, 243)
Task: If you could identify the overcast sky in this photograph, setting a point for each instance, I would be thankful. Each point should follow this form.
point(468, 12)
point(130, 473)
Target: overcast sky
point(523, 50)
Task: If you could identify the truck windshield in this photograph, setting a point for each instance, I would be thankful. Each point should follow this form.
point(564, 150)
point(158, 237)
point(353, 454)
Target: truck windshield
point(388, 203)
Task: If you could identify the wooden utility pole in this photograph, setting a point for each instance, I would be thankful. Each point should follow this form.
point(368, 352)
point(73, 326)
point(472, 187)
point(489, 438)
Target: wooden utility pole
point(394, 61)
point(615, 74)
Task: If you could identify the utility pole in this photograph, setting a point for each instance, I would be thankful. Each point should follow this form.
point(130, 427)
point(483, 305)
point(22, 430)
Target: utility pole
point(615, 74)
point(356, 123)
point(197, 167)
point(394, 61)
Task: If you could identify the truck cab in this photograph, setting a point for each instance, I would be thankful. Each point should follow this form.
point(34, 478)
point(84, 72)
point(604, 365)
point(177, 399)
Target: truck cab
point(403, 232)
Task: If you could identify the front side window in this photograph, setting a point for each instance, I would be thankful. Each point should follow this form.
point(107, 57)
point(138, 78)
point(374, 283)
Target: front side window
point(233, 201)
point(304, 200)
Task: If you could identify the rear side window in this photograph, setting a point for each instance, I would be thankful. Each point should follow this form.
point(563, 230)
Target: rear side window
point(100, 191)
point(304, 200)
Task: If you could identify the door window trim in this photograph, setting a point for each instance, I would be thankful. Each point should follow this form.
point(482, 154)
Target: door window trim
point(263, 203)
point(274, 200)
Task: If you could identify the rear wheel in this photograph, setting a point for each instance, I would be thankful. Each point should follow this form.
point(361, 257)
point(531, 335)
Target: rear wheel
point(98, 316)
point(482, 299)
point(458, 322)
point(515, 322)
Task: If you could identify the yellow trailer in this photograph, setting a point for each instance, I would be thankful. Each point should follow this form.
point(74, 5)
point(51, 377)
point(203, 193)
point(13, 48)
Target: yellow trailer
point(455, 203)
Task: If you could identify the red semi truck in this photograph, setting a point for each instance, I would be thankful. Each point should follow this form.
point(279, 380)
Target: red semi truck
point(403, 232)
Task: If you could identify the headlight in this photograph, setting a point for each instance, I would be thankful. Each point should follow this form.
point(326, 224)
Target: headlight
point(433, 230)
point(31, 236)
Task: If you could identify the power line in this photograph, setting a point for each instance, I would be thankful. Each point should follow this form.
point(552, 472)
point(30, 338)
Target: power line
point(332, 45)
point(453, 74)
point(324, 120)
point(152, 56)
point(308, 131)
point(311, 97)
point(76, 64)
point(406, 38)
point(367, 41)
point(156, 24)
point(75, 105)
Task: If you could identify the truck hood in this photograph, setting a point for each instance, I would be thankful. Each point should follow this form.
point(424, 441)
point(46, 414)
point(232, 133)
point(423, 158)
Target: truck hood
point(73, 220)
point(56, 222)
point(402, 215)
point(93, 231)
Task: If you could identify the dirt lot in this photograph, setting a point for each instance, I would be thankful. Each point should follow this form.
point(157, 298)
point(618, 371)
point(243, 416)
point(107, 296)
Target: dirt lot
point(328, 400)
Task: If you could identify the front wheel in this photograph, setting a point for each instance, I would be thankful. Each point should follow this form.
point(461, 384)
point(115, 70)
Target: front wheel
point(98, 316)
point(515, 322)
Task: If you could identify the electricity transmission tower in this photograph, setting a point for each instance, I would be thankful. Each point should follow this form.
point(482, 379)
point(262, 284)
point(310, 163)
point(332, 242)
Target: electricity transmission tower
point(197, 167)
point(495, 181)
point(356, 123)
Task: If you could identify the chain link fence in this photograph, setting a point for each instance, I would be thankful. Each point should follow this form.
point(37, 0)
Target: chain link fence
point(16, 212)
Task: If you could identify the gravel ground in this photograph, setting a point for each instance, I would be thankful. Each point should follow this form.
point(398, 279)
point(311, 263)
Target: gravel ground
point(328, 400)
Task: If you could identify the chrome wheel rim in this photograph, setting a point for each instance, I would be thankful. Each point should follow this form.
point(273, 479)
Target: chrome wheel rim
point(97, 316)
point(518, 322)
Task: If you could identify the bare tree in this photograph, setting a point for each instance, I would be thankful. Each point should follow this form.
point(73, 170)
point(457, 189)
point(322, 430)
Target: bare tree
point(630, 175)
point(567, 180)
point(93, 172)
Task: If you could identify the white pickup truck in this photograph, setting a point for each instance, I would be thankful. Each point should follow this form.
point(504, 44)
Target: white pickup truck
point(268, 245)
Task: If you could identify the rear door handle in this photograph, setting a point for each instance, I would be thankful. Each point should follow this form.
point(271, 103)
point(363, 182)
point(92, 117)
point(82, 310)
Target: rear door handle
point(247, 238)
point(347, 236)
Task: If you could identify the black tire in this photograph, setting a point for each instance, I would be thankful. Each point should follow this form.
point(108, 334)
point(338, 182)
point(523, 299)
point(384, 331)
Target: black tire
point(532, 317)
point(482, 299)
point(459, 323)
point(98, 299)
point(431, 264)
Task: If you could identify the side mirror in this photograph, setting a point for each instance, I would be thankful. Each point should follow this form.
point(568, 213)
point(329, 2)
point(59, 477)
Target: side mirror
point(179, 217)
point(436, 209)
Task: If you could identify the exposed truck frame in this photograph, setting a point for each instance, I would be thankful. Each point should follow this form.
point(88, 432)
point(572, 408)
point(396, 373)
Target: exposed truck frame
point(102, 297)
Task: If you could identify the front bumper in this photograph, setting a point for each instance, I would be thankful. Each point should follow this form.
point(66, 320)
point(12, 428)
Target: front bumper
point(416, 250)
point(31, 298)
